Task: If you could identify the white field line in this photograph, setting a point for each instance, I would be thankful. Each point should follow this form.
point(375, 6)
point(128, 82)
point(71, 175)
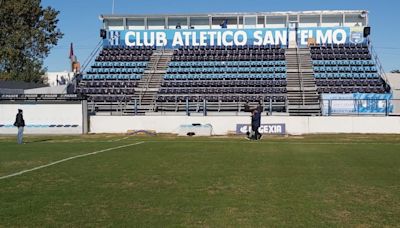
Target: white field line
point(117, 140)
point(67, 159)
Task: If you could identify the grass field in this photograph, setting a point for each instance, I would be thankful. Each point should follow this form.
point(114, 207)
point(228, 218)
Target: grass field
point(311, 181)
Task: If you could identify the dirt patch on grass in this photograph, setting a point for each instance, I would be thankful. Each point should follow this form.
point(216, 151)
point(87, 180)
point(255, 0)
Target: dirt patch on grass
point(23, 163)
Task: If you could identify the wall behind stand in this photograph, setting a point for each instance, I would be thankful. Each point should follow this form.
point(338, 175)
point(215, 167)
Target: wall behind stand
point(222, 125)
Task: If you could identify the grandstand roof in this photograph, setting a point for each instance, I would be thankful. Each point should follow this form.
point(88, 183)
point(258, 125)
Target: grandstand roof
point(236, 20)
point(280, 13)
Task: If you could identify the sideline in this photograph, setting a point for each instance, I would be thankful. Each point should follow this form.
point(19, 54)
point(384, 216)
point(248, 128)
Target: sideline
point(67, 159)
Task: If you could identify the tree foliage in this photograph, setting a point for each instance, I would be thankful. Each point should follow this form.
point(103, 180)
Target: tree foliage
point(27, 33)
point(395, 71)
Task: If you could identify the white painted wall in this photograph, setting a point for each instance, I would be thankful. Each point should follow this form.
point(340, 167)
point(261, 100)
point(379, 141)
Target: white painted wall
point(37, 116)
point(62, 89)
point(225, 124)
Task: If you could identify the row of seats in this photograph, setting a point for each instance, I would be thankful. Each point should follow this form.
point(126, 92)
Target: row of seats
point(364, 89)
point(345, 69)
point(223, 76)
point(119, 64)
point(228, 63)
point(234, 98)
point(339, 46)
point(231, 47)
point(340, 51)
point(116, 71)
point(346, 75)
point(110, 98)
point(105, 90)
point(109, 83)
point(111, 77)
point(230, 52)
point(343, 63)
point(224, 90)
point(341, 57)
point(126, 52)
point(229, 58)
point(223, 83)
point(350, 82)
point(124, 47)
point(123, 58)
point(228, 70)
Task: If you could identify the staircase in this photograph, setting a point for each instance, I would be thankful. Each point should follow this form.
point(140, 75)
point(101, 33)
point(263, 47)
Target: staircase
point(150, 83)
point(303, 98)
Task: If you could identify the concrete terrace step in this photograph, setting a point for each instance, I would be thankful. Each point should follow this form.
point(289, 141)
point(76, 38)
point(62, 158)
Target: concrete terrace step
point(152, 79)
point(302, 95)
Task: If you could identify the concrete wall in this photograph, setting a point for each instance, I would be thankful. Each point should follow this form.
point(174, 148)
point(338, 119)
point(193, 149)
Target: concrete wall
point(225, 124)
point(43, 118)
point(62, 89)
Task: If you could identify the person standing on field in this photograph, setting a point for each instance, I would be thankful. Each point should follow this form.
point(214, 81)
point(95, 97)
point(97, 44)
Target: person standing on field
point(20, 124)
point(255, 124)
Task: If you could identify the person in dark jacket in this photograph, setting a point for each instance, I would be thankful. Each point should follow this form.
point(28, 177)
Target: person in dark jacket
point(255, 124)
point(255, 120)
point(20, 124)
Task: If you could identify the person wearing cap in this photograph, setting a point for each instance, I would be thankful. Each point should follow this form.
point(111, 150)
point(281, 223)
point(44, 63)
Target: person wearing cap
point(20, 124)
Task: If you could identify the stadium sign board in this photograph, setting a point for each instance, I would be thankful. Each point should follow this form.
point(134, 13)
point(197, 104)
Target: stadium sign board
point(267, 129)
point(232, 37)
point(356, 103)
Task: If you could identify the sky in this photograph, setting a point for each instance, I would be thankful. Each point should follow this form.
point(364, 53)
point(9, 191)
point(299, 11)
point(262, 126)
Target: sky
point(79, 20)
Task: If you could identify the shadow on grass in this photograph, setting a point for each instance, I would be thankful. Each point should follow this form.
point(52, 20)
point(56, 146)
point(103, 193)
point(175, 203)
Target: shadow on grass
point(38, 141)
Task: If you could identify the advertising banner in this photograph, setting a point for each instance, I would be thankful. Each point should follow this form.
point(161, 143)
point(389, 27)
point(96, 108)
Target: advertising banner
point(229, 37)
point(43, 118)
point(267, 129)
point(357, 103)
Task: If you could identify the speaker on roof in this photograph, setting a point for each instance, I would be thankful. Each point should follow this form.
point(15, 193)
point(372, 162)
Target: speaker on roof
point(103, 33)
point(367, 31)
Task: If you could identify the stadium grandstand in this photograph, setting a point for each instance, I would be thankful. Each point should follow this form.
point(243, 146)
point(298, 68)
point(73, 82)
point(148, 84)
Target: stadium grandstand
point(148, 68)
point(242, 119)
point(214, 63)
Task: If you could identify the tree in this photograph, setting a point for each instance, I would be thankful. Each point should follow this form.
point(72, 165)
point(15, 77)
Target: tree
point(27, 33)
point(395, 71)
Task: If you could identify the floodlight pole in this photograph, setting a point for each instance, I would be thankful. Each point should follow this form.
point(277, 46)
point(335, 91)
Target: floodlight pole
point(113, 6)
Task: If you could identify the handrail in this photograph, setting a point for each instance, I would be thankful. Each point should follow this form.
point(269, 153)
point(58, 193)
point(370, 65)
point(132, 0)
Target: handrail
point(92, 55)
point(154, 103)
point(300, 75)
point(153, 71)
point(378, 62)
point(85, 64)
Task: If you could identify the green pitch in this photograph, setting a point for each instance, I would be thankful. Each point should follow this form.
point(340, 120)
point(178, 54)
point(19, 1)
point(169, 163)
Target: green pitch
point(312, 181)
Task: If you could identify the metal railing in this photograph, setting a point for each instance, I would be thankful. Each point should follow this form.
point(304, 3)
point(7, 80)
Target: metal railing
point(329, 107)
point(92, 55)
point(378, 63)
point(204, 108)
point(300, 70)
point(149, 78)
